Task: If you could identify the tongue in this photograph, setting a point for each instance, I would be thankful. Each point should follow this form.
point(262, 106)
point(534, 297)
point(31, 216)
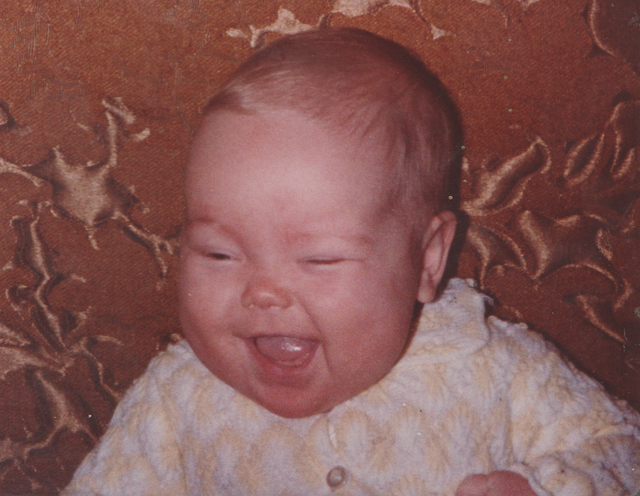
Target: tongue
point(284, 350)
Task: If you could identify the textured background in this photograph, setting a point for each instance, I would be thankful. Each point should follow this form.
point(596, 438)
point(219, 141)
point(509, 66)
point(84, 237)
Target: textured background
point(99, 99)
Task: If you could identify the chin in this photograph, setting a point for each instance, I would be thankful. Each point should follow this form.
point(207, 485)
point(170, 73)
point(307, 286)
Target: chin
point(294, 407)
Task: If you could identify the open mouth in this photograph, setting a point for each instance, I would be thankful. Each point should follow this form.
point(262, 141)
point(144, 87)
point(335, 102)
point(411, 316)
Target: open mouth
point(286, 351)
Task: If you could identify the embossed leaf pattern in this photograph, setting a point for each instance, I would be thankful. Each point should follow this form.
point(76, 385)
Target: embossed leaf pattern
point(614, 28)
point(600, 181)
point(286, 23)
point(50, 338)
point(500, 185)
point(354, 8)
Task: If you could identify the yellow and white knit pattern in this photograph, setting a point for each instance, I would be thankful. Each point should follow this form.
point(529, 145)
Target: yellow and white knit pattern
point(470, 396)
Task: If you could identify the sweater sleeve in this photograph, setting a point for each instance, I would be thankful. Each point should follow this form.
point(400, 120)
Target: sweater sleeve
point(570, 438)
point(138, 455)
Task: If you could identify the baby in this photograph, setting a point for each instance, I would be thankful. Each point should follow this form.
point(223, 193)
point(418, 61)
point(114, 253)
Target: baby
point(318, 359)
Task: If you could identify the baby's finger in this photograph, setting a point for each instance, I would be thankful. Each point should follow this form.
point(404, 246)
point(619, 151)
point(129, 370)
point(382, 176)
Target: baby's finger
point(503, 482)
point(474, 485)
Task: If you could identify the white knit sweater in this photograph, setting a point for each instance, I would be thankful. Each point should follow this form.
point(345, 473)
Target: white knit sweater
point(469, 396)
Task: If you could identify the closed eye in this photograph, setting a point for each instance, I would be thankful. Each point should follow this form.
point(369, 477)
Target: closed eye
point(324, 261)
point(218, 256)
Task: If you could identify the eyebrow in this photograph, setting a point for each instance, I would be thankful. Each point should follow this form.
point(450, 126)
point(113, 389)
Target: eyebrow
point(200, 219)
point(206, 220)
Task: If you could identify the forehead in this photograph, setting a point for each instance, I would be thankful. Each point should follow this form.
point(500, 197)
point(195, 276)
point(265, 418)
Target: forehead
point(284, 147)
point(284, 169)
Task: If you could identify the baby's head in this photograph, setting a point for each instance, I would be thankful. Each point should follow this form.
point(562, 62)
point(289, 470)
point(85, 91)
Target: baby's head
point(316, 193)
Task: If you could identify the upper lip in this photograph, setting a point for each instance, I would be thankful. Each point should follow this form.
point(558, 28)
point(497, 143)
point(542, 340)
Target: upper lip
point(292, 331)
point(257, 335)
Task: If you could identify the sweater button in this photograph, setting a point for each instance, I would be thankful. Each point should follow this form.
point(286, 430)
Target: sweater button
point(336, 477)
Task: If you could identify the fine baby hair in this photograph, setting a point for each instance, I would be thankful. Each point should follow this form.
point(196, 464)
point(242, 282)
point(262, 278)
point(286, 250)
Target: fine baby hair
point(366, 86)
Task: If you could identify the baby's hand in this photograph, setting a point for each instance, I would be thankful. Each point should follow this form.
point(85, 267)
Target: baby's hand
point(499, 483)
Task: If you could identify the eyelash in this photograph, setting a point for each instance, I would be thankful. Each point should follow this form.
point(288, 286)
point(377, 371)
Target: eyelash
point(325, 261)
point(219, 256)
point(223, 257)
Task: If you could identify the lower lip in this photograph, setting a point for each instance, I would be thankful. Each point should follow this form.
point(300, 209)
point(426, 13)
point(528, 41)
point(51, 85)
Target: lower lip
point(280, 372)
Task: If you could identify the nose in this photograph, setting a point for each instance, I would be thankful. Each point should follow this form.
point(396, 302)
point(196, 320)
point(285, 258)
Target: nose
point(265, 294)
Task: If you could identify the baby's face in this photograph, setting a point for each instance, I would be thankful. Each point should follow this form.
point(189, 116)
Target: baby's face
point(297, 283)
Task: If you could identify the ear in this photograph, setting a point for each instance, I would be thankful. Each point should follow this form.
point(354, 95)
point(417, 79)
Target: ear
point(435, 251)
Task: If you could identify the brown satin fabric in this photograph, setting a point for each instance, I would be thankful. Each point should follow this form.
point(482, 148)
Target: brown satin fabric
point(596, 189)
point(98, 103)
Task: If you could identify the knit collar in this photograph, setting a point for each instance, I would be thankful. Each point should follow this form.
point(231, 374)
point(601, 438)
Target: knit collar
point(450, 327)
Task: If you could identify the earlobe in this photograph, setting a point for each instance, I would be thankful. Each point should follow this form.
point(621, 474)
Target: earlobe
point(435, 251)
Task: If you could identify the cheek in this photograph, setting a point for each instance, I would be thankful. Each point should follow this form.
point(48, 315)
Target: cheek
point(205, 319)
point(384, 295)
point(365, 352)
point(388, 306)
point(365, 323)
point(202, 298)
point(196, 319)
point(190, 290)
